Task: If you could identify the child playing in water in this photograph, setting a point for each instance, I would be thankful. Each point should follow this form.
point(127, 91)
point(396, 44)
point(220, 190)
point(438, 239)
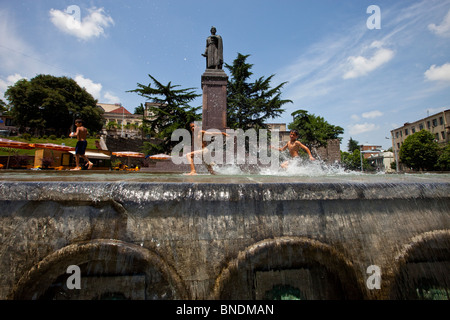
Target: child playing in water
point(80, 148)
point(294, 146)
point(203, 151)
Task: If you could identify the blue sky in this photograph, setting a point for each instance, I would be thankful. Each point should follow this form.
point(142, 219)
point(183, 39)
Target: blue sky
point(366, 80)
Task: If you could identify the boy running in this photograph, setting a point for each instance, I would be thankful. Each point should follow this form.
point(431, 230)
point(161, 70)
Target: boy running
point(80, 148)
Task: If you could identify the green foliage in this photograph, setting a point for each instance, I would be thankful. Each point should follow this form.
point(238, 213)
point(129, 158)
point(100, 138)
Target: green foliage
point(352, 145)
point(419, 151)
point(249, 105)
point(314, 131)
point(352, 161)
point(3, 106)
point(443, 162)
point(172, 111)
point(49, 104)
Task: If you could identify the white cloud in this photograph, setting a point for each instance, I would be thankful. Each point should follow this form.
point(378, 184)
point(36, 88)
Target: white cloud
point(441, 73)
point(372, 114)
point(110, 98)
point(360, 66)
point(90, 26)
point(10, 80)
point(363, 127)
point(93, 88)
point(443, 29)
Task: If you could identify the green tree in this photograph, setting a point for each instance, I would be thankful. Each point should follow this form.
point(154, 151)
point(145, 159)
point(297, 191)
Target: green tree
point(172, 111)
point(250, 104)
point(352, 161)
point(47, 104)
point(314, 131)
point(443, 162)
point(3, 106)
point(352, 145)
point(419, 151)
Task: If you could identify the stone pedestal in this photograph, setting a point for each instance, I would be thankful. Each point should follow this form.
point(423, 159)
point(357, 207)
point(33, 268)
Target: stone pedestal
point(214, 86)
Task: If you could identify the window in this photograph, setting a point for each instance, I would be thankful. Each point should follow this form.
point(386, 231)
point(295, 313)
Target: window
point(441, 121)
point(443, 135)
point(421, 126)
point(413, 130)
point(435, 123)
point(428, 124)
point(406, 132)
point(437, 136)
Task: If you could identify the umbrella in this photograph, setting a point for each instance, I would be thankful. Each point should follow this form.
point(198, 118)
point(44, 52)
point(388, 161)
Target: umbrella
point(53, 146)
point(7, 143)
point(160, 156)
point(128, 154)
point(12, 144)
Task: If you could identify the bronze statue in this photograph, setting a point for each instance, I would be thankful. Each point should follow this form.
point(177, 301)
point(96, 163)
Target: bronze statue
point(214, 51)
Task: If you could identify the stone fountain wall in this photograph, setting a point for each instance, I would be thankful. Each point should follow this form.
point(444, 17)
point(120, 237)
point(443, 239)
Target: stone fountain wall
point(222, 240)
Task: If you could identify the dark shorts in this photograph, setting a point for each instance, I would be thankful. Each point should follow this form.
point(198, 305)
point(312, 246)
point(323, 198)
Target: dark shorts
point(80, 148)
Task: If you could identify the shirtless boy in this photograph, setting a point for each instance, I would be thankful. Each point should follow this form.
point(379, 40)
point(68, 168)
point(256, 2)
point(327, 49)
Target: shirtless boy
point(203, 151)
point(294, 146)
point(80, 148)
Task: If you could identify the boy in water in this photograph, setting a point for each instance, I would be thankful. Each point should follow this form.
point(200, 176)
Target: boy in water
point(203, 151)
point(80, 148)
point(294, 146)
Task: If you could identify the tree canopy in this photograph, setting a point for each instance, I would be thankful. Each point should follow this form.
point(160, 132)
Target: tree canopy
point(250, 104)
point(171, 110)
point(314, 131)
point(420, 151)
point(49, 104)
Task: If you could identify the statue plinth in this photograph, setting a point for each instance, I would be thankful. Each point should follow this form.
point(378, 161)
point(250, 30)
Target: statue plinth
point(214, 86)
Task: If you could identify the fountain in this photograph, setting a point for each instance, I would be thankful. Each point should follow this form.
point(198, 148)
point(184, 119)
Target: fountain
point(310, 232)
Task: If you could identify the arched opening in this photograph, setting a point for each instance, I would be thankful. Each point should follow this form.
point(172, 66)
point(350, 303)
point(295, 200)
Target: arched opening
point(288, 268)
point(423, 266)
point(108, 269)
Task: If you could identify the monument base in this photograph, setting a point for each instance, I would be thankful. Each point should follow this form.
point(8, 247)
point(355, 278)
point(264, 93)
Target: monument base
point(214, 86)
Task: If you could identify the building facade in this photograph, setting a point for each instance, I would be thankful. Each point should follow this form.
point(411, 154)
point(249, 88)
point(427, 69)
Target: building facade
point(118, 121)
point(438, 124)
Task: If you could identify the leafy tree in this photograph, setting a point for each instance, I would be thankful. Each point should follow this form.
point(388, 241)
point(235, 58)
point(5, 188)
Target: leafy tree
point(352, 161)
point(420, 151)
point(250, 104)
point(314, 131)
point(3, 106)
point(352, 145)
point(172, 111)
point(443, 162)
point(49, 104)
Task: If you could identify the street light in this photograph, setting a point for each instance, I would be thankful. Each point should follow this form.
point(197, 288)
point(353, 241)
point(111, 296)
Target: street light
point(395, 152)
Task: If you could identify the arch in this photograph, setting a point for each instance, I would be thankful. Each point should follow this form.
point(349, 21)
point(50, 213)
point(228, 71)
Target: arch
point(99, 259)
point(289, 257)
point(422, 265)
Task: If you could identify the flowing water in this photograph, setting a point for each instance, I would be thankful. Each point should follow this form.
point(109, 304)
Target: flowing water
point(308, 232)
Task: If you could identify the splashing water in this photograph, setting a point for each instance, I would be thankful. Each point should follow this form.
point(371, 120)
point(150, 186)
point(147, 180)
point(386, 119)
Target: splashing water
point(296, 167)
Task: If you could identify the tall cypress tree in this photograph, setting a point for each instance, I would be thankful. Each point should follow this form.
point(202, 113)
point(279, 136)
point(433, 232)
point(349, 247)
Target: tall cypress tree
point(251, 104)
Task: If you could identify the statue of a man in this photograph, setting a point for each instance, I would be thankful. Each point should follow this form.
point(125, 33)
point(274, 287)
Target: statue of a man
point(214, 51)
